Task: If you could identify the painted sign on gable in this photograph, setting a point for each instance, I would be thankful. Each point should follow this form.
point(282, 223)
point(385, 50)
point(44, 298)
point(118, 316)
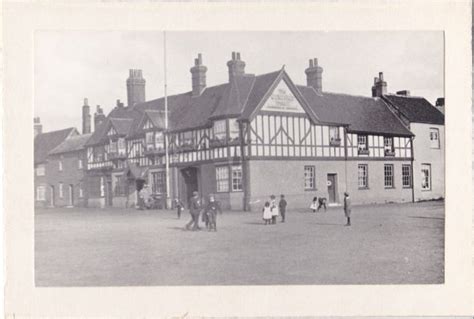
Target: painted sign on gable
point(282, 100)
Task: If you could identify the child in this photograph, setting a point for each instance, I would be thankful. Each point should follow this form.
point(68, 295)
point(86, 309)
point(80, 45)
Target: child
point(322, 202)
point(274, 209)
point(314, 204)
point(267, 213)
point(211, 212)
point(179, 207)
point(282, 206)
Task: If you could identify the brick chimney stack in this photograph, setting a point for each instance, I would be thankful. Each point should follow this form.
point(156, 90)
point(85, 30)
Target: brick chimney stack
point(380, 86)
point(86, 117)
point(38, 127)
point(440, 104)
point(135, 87)
point(236, 66)
point(99, 117)
point(314, 75)
point(198, 76)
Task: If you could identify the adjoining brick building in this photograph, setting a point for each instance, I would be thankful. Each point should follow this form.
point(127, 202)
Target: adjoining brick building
point(44, 143)
point(258, 135)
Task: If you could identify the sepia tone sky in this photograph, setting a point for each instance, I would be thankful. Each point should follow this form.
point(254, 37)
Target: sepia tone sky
point(72, 65)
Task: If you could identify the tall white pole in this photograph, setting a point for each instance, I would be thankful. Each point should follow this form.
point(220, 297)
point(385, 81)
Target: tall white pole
point(167, 159)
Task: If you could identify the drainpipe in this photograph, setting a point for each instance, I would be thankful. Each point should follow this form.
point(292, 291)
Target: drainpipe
point(244, 167)
point(412, 170)
point(345, 157)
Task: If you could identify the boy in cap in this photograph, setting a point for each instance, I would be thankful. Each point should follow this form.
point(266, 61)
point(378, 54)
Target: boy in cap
point(347, 208)
point(194, 210)
point(211, 213)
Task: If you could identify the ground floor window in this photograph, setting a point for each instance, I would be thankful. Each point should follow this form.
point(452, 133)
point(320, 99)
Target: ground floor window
point(222, 179)
point(41, 193)
point(309, 177)
point(158, 182)
point(406, 175)
point(426, 177)
point(236, 178)
point(388, 175)
point(363, 176)
point(61, 191)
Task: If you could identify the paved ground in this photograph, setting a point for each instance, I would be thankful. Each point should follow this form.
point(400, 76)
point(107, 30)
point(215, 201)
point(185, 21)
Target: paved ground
point(387, 244)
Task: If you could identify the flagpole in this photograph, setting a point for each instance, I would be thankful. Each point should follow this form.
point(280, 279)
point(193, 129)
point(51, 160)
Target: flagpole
point(167, 165)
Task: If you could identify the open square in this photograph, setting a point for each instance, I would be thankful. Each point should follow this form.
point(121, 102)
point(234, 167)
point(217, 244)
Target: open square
point(387, 244)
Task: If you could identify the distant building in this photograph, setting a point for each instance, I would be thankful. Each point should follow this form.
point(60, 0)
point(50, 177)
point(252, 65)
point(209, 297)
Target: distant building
point(43, 144)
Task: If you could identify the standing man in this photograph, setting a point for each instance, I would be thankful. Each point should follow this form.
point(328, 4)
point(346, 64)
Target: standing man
point(282, 205)
point(194, 210)
point(347, 208)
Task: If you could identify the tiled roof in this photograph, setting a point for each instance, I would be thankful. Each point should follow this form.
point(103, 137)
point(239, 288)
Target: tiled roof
point(157, 118)
point(361, 114)
point(260, 87)
point(45, 142)
point(416, 109)
point(74, 143)
point(121, 125)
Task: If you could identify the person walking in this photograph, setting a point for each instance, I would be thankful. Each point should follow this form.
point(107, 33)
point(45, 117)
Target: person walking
point(347, 208)
point(282, 206)
point(314, 204)
point(194, 210)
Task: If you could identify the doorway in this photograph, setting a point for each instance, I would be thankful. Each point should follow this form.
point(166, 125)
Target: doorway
point(332, 187)
point(71, 195)
point(191, 183)
point(109, 194)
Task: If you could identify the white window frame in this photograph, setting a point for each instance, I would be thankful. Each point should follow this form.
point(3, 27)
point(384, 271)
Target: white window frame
point(102, 186)
point(426, 178)
point(79, 163)
point(81, 191)
point(41, 170)
point(41, 192)
point(363, 176)
point(61, 190)
point(434, 138)
point(406, 176)
point(149, 140)
point(309, 177)
point(60, 165)
point(234, 131)
point(222, 179)
point(388, 144)
point(219, 129)
point(159, 140)
point(362, 142)
point(334, 133)
point(237, 178)
point(121, 146)
point(388, 177)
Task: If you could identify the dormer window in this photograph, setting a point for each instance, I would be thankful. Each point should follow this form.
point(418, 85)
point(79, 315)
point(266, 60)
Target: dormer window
point(159, 140)
point(334, 138)
point(220, 130)
point(388, 146)
point(233, 129)
point(149, 140)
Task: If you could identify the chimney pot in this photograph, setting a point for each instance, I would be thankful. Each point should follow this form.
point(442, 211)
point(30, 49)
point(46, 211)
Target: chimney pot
point(380, 86)
point(376, 79)
point(200, 58)
point(86, 101)
point(198, 76)
point(381, 76)
point(233, 55)
point(311, 63)
point(236, 66)
point(135, 87)
point(238, 56)
point(403, 92)
point(315, 61)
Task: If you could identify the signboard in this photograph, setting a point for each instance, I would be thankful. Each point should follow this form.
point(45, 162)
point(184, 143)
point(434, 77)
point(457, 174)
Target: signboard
point(282, 100)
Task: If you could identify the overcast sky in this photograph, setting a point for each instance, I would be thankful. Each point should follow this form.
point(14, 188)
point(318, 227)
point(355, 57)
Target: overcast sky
point(73, 65)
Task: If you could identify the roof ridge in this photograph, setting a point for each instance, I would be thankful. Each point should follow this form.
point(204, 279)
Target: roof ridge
point(405, 96)
point(248, 95)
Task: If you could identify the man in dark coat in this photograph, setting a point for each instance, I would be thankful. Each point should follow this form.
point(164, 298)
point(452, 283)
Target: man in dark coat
point(282, 205)
point(347, 208)
point(194, 210)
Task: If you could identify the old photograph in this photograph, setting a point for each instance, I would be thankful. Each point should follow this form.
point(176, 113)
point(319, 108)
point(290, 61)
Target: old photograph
point(166, 158)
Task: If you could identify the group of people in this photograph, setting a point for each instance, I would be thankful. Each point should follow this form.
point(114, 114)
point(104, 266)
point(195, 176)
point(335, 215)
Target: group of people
point(271, 211)
point(207, 212)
